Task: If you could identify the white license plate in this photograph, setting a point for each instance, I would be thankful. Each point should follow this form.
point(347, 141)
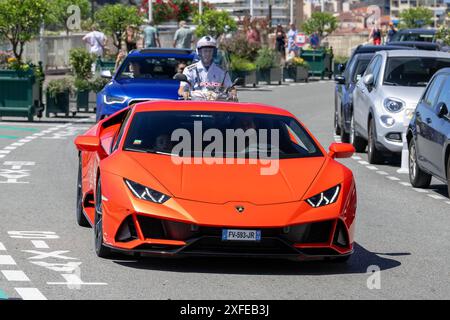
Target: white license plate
point(241, 235)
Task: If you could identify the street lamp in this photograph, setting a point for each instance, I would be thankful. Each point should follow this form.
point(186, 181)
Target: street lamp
point(200, 7)
point(150, 10)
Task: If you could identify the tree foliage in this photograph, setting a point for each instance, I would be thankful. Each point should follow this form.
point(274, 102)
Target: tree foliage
point(416, 17)
point(324, 23)
point(114, 19)
point(214, 23)
point(20, 20)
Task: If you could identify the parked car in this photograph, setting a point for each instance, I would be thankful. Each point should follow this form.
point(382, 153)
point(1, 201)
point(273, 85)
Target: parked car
point(429, 134)
point(345, 84)
point(145, 74)
point(424, 35)
point(392, 83)
point(421, 45)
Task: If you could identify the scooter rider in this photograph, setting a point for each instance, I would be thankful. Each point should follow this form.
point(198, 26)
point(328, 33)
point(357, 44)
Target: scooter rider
point(205, 73)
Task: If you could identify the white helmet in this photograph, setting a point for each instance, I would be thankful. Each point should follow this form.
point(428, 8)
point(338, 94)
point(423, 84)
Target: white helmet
point(206, 41)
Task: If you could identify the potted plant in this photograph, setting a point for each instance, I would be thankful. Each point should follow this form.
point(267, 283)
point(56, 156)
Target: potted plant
point(243, 68)
point(81, 62)
point(297, 69)
point(58, 94)
point(268, 70)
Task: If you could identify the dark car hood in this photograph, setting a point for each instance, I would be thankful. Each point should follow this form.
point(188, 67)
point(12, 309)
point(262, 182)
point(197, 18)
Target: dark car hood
point(159, 89)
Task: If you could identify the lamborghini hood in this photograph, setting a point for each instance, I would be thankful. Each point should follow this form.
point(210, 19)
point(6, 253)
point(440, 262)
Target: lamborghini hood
point(222, 183)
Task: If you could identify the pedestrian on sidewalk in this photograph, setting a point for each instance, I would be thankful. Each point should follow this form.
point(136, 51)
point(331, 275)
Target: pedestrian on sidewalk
point(183, 37)
point(151, 36)
point(97, 43)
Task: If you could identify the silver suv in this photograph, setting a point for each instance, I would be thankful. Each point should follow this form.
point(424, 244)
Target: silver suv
point(392, 84)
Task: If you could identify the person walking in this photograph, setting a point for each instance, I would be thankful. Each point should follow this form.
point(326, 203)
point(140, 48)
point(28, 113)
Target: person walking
point(291, 35)
point(130, 38)
point(183, 36)
point(151, 36)
point(391, 32)
point(97, 43)
point(375, 34)
point(253, 35)
point(281, 42)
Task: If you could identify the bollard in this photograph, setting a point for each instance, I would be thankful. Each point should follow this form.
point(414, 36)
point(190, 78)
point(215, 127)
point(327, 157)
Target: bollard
point(407, 115)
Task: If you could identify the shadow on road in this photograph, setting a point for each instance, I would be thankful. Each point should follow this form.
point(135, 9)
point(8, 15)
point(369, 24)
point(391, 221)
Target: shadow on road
point(440, 189)
point(358, 263)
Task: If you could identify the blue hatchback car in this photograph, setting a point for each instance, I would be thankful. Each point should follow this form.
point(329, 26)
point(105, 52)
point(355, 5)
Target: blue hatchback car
point(145, 74)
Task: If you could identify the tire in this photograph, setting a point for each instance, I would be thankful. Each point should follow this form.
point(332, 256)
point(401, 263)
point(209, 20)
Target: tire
point(448, 176)
point(358, 142)
point(345, 136)
point(417, 177)
point(373, 154)
point(337, 127)
point(81, 218)
point(343, 259)
point(100, 249)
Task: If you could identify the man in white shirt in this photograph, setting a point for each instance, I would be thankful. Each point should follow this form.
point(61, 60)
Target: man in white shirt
point(97, 42)
point(204, 73)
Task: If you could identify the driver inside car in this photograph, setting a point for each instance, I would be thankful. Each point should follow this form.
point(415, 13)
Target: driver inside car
point(205, 73)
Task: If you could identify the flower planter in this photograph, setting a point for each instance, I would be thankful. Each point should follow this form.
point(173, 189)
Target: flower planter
point(19, 94)
point(297, 73)
point(58, 103)
point(270, 75)
point(83, 100)
point(248, 76)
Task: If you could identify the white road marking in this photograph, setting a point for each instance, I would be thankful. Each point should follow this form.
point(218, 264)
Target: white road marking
point(39, 244)
point(31, 137)
point(363, 162)
point(2, 155)
point(30, 294)
point(356, 158)
point(393, 178)
point(437, 197)
point(420, 190)
point(447, 202)
point(5, 151)
point(33, 235)
point(10, 148)
point(17, 144)
point(39, 255)
point(406, 184)
point(67, 267)
point(39, 134)
point(46, 131)
point(2, 247)
point(371, 167)
point(7, 260)
point(24, 140)
point(74, 280)
point(382, 173)
point(15, 275)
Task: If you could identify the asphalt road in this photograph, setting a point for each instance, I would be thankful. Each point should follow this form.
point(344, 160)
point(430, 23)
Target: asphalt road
point(402, 232)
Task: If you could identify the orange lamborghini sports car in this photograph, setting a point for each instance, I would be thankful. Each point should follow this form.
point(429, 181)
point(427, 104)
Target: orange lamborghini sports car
point(214, 178)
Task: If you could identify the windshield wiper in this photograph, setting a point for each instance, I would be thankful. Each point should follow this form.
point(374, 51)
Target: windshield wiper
point(139, 150)
point(390, 83)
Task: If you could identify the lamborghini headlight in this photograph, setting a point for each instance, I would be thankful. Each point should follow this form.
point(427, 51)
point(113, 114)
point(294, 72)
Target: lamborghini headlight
point(324, 198)
point(145, 193)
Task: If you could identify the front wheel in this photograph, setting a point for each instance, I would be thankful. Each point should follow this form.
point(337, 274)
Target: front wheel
point(81, 219)
point(358, 142)
point(337, 127)
point(448, 176)
point(373, 154)
point(417, 177)
point(100, 249)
